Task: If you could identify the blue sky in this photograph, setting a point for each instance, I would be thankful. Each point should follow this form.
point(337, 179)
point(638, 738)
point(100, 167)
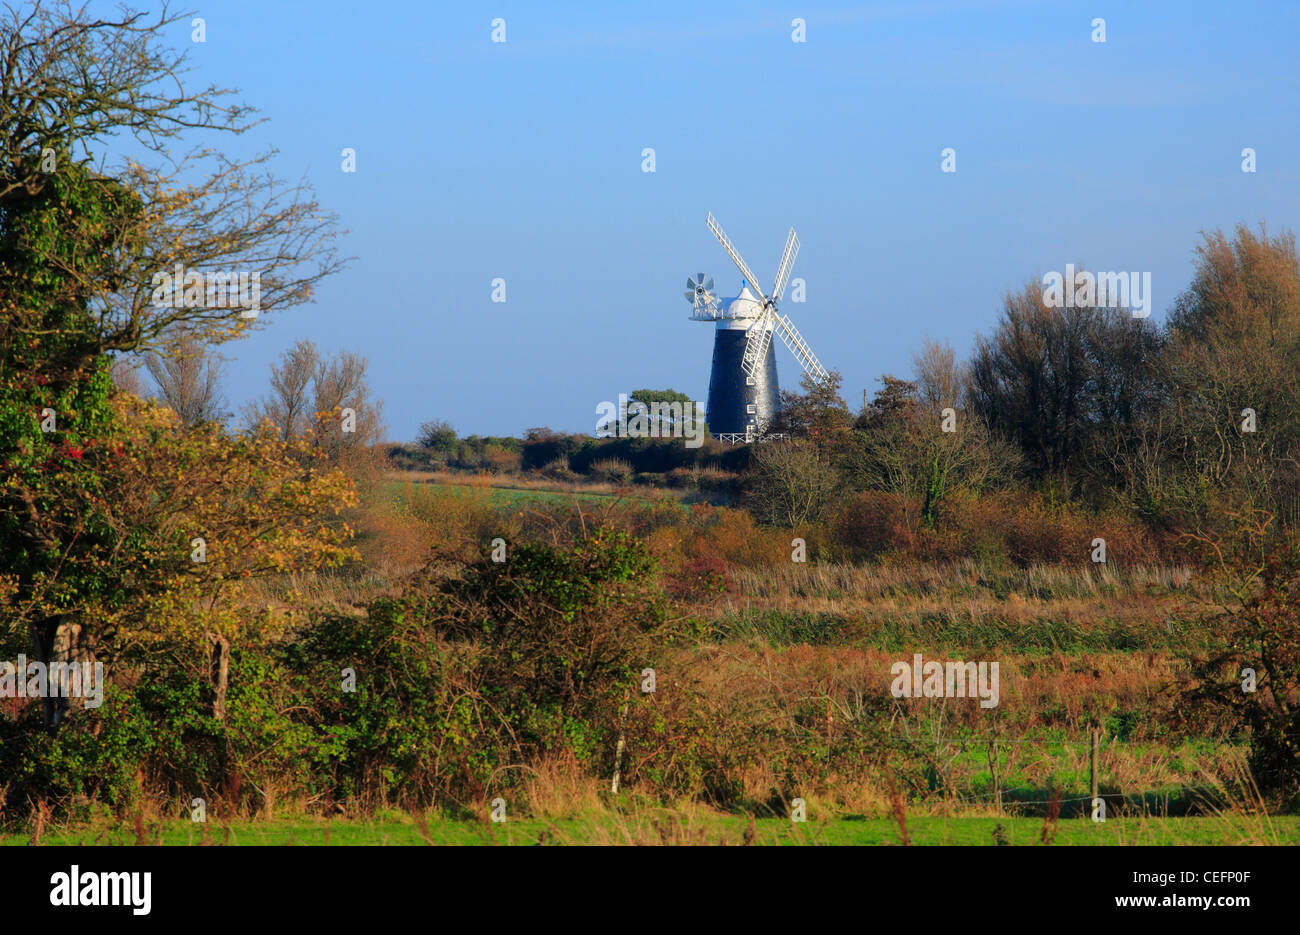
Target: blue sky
point(522, 160)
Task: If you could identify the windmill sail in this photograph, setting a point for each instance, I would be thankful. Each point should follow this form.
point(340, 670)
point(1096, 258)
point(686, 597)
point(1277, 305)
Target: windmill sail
point(743, 390)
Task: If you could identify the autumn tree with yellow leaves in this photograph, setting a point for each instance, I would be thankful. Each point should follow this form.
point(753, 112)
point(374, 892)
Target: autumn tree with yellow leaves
point(100, 499)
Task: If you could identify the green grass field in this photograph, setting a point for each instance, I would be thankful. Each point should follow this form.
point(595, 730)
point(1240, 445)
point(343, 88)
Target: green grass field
point(694, 827)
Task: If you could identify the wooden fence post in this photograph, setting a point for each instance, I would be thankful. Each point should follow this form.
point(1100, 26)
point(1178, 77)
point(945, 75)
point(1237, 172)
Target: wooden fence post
point(618, 750)
point(1095, 737)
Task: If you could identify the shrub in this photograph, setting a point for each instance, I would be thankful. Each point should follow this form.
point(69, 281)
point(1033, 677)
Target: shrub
point(702, 580)
point(682, 478)
point(870, 524)
point(994, 527)
point(459, 514)
point(793, 484)
point(437, 436)
point(558, 469)
point(501, 460)
point(733, 537)
point(542, 447)
point(155, 737)
point(612, 469)
point(1258, 629)
point(496, 665)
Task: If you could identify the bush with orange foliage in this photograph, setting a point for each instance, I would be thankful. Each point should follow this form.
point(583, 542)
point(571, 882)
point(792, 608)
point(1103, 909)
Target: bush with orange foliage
point(871, 524)
point(734, 537)
point(1009, 526)
point(702, 580)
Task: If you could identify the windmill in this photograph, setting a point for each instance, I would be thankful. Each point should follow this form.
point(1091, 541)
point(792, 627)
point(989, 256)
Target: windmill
point(743, 391)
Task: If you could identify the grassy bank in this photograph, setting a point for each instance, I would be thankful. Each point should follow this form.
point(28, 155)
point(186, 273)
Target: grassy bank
point(693, 826)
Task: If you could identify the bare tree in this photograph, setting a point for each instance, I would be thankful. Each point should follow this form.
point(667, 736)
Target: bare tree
point(1028, 378)
point(1235, 346)
point(288, 408)
point(325, 401)
point(188, 379)
point(126, 376)
point(794, 482)
point(340, 382)
point(49, 91)
point(940, 379)
point(345, 416)
point(1058, 381)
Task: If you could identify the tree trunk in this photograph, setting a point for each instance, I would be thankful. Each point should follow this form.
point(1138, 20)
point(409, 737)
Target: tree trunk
point(57, 639)
point(44, 635)
point(221, 654)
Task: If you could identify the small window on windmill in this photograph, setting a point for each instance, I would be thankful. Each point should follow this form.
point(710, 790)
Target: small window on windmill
point(751, 408)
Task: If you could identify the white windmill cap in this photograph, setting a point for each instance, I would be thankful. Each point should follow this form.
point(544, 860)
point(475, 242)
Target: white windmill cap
point(744, 305)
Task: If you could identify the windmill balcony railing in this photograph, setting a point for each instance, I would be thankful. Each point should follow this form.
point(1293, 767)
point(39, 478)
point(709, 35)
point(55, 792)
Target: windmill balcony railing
point(748, 438)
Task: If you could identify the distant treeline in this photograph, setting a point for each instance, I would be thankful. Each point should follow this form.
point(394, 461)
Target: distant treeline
point(1181, 427)
point(560, 453)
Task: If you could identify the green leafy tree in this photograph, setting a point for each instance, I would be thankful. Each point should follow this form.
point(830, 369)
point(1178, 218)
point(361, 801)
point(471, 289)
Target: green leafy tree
point(439, 437)
point(56, 422)
point(659, 403)
point(79, 250)
point(905, 444)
